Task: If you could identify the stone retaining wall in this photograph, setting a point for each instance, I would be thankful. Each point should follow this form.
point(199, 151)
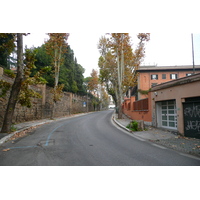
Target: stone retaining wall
point(42, 108)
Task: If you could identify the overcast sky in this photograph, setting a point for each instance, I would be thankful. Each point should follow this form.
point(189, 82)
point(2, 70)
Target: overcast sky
point(162, 49)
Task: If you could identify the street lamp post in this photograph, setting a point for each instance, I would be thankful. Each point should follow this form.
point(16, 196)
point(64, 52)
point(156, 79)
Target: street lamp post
point(193, 54)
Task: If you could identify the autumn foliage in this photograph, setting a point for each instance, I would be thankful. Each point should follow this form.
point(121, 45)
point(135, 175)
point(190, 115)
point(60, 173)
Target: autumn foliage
point(56, 46)
point(119, 63)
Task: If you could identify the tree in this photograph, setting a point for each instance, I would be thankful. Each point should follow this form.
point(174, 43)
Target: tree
point(42, 60)
point(56, 46)
point(93, 82)
point(104, 98)
point(108, 74)
point(26, 93)
point(21, 92)
point(15, 87)
point(7, 46)
point(118, 64)
point(70, 73)
point(79, 78)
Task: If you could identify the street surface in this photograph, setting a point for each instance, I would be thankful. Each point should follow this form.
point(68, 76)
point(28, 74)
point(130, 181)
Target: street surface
point(89, 140)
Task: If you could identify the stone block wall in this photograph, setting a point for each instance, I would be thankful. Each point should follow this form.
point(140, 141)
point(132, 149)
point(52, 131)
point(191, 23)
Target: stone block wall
point(42, 107)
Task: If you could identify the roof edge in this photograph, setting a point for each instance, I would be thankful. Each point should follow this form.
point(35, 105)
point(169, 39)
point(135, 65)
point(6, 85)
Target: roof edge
point(177, 82)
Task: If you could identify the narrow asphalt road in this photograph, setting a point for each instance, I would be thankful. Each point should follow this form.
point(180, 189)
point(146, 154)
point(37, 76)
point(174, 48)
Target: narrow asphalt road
point(89, 140)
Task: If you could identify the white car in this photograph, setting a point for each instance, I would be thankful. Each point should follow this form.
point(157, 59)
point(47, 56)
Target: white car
point(111, 106)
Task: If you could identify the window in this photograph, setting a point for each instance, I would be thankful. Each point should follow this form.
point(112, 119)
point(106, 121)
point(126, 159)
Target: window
point(188, 74)
point(154, 84)
point(154, 77)
point(163, 76)
point(173, 76)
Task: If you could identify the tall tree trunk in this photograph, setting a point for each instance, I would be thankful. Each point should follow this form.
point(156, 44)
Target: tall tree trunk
point(119, 105)
point(119, 88)
point(56, 67)
point(53, 110)
point(6, 128)
point(57, 70)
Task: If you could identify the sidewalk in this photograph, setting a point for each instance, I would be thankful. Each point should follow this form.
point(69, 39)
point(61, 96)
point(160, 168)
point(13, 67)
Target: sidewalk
point(163, 137)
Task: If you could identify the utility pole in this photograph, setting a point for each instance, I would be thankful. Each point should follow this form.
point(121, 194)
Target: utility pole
point(193, 54)
point(87, 101)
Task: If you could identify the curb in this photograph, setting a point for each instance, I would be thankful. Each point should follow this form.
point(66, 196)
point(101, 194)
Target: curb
point(120, 125)
point(6, 138)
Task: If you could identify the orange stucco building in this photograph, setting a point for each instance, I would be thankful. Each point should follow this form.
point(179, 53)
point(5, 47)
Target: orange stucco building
point(173, 101)
point(150, 76)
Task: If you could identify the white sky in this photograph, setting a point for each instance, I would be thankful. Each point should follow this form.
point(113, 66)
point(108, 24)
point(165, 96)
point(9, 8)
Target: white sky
point(162, 49)
point(170, 23)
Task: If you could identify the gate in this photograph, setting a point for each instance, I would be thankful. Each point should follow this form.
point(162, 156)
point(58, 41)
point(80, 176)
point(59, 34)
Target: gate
point(191, 112)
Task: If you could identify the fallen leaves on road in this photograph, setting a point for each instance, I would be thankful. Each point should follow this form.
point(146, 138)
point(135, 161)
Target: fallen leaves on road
point(18, 135)
point(6, 150)
point(173, 145)
point(23, 133)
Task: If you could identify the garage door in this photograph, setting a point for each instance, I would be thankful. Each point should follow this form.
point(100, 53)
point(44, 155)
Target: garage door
point(191, 111)
point(168, 114)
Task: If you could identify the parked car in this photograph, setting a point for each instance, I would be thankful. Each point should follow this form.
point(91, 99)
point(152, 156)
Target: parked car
point(111, 106)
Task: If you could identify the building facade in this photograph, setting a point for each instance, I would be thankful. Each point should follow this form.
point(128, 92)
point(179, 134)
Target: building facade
point(176, 106)
point(170, 99)
point(150, 76)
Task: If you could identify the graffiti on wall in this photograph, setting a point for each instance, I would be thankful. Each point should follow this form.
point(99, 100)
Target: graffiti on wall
point(192, 119)
point(193, 111)
point(193, 125)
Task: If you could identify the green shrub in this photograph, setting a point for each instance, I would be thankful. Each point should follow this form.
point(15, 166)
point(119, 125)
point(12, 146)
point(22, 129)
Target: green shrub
point(4, 87)
point(13, 128)
point(9, 73)
point(133, 126)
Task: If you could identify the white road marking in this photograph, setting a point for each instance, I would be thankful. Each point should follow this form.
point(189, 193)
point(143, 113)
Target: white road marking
point(189, 156)
point(156, 145)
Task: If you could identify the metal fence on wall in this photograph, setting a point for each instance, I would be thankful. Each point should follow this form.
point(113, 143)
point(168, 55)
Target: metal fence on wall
point(141, 105)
